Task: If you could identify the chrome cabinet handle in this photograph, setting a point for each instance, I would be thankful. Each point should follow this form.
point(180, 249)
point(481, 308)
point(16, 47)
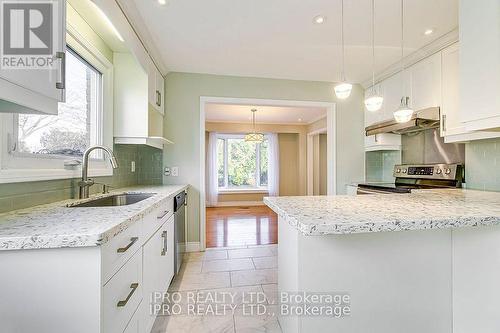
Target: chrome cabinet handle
point(124, 249)
point(125, 301)
point(158, 98)
point(444, 122)
point(164, 236)
point(62, 83)
point(164, 214)
point(376, 139)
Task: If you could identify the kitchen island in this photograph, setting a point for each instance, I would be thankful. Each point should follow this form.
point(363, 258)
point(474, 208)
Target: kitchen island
point(410, 262)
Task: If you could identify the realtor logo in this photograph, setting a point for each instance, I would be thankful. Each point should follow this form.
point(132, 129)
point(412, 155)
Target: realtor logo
point(27, 34)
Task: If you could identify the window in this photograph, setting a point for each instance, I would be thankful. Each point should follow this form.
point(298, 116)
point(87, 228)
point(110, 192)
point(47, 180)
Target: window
point(43, 147)
point(78, 123)
point(241, 164)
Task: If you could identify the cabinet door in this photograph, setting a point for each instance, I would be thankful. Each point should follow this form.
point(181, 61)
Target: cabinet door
point(160, 87)
point(372, 117)
point(426, 83)
point(46, 82)
point(450, 117)
point(395, 87)
point(152, 90)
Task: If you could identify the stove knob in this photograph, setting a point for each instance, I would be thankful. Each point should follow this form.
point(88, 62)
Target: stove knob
point(404, 170)
point(439, 171)
point(448, 171)
point(398, 171)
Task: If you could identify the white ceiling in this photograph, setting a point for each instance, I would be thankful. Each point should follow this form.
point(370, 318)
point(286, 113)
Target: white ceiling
point(88, 11)
point(264, 115)
point(277, 39)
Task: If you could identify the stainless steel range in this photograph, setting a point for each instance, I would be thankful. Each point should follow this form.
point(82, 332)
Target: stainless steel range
point(418, 176)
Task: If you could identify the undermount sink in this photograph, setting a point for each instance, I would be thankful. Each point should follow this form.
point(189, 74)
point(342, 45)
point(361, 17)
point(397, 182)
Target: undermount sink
point(115, 200)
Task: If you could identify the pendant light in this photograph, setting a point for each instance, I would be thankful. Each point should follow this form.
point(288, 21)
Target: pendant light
point(343, 89)
point(254, 136)
point(374, 101)
point(404, 113)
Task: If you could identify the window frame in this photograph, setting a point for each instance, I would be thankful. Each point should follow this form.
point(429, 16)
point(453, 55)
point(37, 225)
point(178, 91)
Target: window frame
point(23, 167)
point(241, 189)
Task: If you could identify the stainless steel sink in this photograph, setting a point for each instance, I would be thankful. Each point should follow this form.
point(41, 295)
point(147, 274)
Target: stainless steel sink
point(115, 200)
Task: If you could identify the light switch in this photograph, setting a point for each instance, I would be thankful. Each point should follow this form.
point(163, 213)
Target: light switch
point(132, 166)
point(175, 171)
point(166, 172)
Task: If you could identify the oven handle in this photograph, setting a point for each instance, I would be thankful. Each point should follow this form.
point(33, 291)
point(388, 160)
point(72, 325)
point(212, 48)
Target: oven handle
point(370, 191)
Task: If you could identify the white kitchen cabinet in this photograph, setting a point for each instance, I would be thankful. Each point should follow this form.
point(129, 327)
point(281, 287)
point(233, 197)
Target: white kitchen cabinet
point(38, 90)
point(158, 270)
point(90, 289)
point(135, 122)
point(156, 85)
point(395, 87)
point(426, 83)
point(452, 128)
point(384, 141)
point(480, 64)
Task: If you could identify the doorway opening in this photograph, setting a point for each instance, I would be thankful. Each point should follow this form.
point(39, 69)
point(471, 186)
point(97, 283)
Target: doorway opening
point(254, 148)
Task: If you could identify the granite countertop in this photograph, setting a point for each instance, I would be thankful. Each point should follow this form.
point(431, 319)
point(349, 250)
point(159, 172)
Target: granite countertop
point(55, 225)
point(421, 209)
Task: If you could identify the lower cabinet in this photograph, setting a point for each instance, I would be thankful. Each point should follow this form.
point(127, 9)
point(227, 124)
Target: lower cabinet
point(96, 289)
point(158, 271)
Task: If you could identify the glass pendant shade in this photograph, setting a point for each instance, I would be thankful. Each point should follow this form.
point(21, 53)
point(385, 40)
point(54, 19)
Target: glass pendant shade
point(404, 113)
point(374, 102)
point(254, 137)
point(343, 90)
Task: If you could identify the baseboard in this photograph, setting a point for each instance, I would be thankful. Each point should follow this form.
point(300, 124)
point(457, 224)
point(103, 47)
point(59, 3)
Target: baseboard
point(192, 247)
point(238, 203)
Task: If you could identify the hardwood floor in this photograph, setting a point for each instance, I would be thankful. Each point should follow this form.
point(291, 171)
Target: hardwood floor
point(241, 226)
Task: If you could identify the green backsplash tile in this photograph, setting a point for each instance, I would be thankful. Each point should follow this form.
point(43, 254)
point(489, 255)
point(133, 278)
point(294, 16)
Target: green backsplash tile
point(482, 168)
point(380, 165)
point(148, 171)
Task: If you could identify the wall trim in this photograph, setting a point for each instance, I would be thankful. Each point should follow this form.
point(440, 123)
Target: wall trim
point(192, 247)
point(433, 47)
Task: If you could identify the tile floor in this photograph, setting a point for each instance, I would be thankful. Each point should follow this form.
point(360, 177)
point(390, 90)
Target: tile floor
point(242, 271)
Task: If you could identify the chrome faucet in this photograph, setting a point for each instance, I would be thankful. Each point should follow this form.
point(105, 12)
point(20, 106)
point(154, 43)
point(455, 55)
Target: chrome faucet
point(85, 183)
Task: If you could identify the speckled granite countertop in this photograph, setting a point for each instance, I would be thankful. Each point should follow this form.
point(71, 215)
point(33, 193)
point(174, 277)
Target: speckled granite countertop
point(56, 225)
point(424, 209)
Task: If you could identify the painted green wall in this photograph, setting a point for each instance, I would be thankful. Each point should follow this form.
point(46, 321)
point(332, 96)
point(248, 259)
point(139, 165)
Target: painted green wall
point(182, 124)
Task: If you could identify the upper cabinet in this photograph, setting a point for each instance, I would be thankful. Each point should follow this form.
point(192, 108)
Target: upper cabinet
point(30, 90)
point(156, 86)
point(452, 127)
point(135, 121)
point(426, 83)
point(480, 64)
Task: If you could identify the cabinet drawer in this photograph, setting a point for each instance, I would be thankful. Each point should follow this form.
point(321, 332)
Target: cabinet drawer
point(119, 249)
point(122, 295)
point(154, 220)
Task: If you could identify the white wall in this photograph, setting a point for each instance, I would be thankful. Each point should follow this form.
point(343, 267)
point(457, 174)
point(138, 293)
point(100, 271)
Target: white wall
point(182, 124)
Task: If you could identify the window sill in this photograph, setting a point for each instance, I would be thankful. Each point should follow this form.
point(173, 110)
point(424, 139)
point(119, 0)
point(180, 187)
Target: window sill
point(238, 191)
point(30, 175)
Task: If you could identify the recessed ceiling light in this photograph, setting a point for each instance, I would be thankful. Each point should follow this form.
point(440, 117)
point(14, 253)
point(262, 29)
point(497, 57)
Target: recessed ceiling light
point(320, 19)
point(300, 119)
point(428, 32)
point(162, 2)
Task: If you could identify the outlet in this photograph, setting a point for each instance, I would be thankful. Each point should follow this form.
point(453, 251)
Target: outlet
point(132, 166)
point(175, 171)
point(166, 172)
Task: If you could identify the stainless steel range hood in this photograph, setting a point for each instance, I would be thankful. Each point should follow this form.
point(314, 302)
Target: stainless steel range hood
point(421, 120)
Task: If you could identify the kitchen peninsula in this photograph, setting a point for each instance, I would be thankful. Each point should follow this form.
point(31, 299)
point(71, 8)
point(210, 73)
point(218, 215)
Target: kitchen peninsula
point(410, 262)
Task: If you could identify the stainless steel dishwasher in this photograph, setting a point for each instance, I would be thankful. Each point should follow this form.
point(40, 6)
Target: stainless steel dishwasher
point(180, 202)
